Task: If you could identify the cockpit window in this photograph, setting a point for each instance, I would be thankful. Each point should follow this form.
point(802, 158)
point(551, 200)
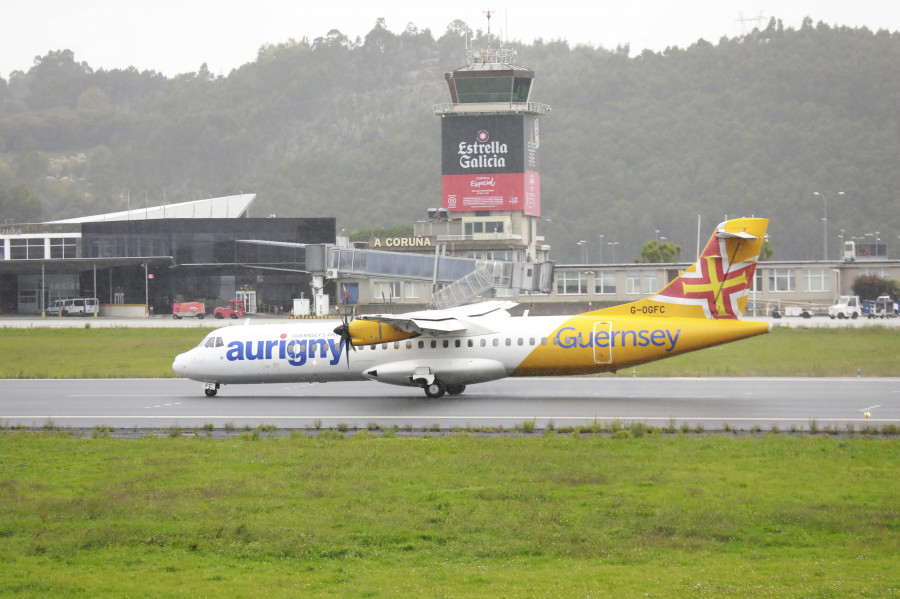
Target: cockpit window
point(211, 342)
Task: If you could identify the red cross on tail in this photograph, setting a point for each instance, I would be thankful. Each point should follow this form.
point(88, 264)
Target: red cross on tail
point(717, 285)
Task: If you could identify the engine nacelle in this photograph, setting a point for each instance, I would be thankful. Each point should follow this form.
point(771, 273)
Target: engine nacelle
point(371, 332)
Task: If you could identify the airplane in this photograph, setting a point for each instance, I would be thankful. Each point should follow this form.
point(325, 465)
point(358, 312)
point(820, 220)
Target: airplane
point(443, 351)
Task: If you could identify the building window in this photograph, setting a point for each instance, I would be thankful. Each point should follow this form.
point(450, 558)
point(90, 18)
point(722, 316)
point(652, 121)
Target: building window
point(571, 283)
point(605, 282)
point(651, 281)
point(884, 273)
point(782, 279)
point(62, 247)
point(815, 279)
point(386, 290)
point(413, 290)
point(633, 283)
point(26, 249)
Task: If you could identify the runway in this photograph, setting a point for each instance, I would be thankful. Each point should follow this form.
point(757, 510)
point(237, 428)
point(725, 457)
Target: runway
point(710, 403)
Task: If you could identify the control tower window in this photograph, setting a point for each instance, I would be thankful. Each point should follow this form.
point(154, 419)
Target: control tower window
point(484, 89)
point(521, 88)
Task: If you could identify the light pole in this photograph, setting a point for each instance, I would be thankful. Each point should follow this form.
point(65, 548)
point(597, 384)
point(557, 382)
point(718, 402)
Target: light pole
point(600, 245)
point(837, 294)
point(825, 217)
point(584, 252)
point(613, 244)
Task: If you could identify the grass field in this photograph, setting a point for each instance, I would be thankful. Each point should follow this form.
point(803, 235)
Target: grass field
point(148, 353)
point(555, 516)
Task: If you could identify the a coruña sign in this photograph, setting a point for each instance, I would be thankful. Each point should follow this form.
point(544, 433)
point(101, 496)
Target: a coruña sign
point(421, 242)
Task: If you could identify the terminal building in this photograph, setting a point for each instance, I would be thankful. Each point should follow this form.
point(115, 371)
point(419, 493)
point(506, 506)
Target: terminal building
point(152, 257)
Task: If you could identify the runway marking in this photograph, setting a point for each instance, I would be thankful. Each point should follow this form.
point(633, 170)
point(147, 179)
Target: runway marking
point(155, 395)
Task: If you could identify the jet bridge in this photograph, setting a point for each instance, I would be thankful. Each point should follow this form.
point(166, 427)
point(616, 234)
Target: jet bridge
point(456, 280)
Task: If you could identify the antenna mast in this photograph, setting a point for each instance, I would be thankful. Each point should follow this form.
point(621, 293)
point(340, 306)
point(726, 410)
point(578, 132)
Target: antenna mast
point(744, 20)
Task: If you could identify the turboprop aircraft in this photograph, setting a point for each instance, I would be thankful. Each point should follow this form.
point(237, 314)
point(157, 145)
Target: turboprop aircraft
point(442, 351)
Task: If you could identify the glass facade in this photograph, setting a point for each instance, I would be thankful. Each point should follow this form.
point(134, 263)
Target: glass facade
point(209, 262)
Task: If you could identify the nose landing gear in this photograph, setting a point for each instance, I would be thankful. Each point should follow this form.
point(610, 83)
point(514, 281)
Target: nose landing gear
point(211, 389)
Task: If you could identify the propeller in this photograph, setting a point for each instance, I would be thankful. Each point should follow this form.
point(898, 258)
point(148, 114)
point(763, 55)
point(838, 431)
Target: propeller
point(343, 330)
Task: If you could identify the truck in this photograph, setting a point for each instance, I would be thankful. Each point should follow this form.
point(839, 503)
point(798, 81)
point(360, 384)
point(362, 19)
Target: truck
point(182, 309)
point(235, 309)
point(848, 306)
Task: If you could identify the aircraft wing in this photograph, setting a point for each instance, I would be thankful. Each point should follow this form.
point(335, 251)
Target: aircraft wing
point(450, 320)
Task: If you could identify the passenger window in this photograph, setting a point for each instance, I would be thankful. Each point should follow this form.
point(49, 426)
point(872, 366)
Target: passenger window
point(543, 341)
point(458, 343)
point(433, 344)
point(483, 342)
point(409, 345)
point(384, 346)
point(471, 343)
point(496, 343)
point(521, 341)
point(396, 345)
point(446, 344)
point(508, 342)
point(531, 341)
point(421, 344)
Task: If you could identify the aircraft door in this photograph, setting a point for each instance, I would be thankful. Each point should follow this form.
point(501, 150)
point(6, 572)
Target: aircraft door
point(602, 342)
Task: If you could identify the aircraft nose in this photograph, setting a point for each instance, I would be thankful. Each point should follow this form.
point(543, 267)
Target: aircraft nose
point(180, 364)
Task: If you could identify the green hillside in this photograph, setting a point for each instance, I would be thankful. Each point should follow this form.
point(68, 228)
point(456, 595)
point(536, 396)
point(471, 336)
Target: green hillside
point(752, 125)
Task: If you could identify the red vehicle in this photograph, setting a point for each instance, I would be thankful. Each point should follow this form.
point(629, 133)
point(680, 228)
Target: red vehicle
point(182, 309)
point(235, 309)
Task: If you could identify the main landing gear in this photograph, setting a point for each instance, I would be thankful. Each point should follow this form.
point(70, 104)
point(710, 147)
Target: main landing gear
point(211, 389)
point(437, 388)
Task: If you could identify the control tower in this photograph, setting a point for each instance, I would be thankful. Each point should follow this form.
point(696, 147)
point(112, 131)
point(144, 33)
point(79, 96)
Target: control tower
point(490, 179)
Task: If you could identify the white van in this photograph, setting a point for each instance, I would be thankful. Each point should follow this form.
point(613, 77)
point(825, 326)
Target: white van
point(74, 306)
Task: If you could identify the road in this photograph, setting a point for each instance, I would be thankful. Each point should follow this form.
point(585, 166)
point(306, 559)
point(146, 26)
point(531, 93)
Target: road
point(741, 403)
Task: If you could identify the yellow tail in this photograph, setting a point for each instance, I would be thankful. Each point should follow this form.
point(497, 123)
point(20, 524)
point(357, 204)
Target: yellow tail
point(717, 285)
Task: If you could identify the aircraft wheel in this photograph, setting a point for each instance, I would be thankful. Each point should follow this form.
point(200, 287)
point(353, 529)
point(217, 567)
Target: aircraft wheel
point(436, 389)
point(210, 392)
point(455, 389)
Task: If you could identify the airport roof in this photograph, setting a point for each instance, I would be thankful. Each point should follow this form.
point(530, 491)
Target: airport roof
point(234, 206)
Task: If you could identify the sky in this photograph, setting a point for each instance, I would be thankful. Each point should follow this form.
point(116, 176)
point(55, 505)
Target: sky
point(177, 36)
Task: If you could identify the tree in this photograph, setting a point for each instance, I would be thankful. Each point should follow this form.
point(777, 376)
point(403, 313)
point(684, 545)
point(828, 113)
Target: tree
point(869, 287)
point(17, 204)
point(655, 252)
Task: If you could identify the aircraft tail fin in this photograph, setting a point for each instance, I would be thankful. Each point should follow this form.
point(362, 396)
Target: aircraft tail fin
point(715, 287)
